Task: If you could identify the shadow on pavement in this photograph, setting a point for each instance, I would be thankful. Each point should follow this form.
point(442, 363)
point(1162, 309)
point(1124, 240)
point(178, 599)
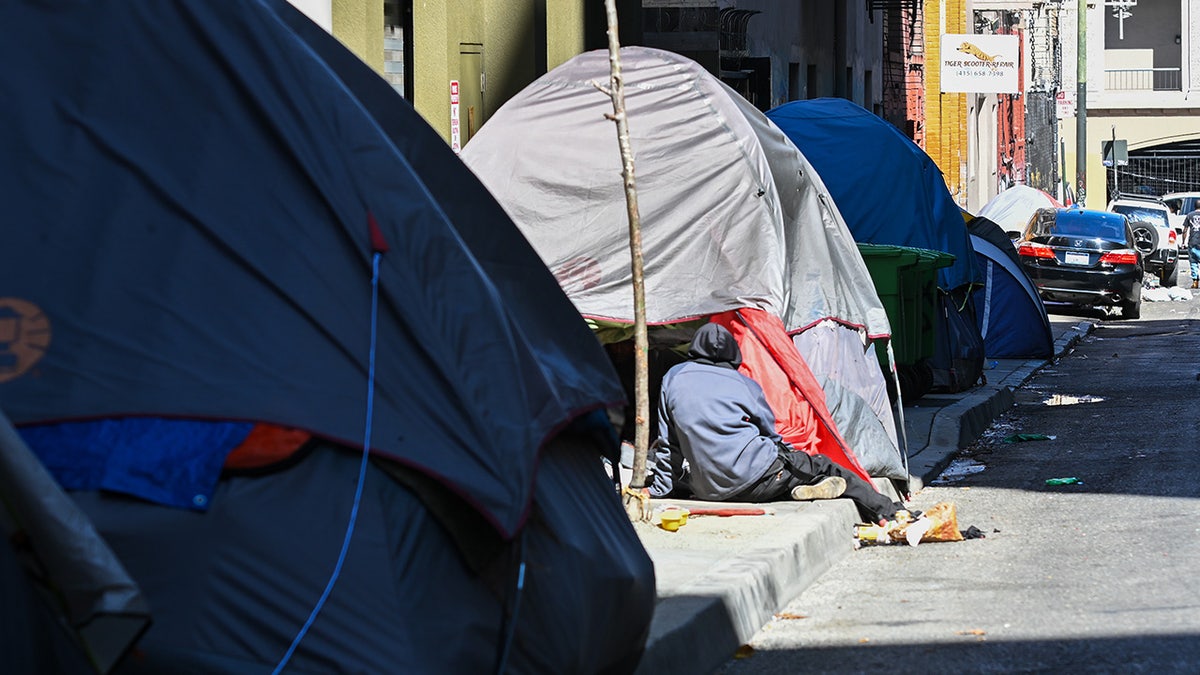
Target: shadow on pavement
point(985, 653)
point(676, 637)
point(1096, 313)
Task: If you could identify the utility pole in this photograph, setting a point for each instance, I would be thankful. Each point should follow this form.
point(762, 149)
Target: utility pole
point(1062, 156)
point(1116, 188)
point(1081, 106)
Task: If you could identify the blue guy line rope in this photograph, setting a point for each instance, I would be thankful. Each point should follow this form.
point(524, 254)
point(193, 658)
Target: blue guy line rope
point(362, 476)
point(512, 622)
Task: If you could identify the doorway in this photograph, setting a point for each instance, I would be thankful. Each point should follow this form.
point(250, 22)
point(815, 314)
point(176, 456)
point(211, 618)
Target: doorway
point(470, 88)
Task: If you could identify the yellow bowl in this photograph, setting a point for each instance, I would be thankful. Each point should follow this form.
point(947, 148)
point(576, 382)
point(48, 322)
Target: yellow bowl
point(673, 519)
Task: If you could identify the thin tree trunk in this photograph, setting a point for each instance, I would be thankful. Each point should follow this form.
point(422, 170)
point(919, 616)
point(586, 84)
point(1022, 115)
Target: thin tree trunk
point(634, 498)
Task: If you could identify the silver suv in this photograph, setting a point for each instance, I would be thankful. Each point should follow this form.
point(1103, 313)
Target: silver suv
point(1153, 236)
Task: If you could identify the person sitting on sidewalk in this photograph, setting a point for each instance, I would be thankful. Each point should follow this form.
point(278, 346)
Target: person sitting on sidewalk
point(718, 421)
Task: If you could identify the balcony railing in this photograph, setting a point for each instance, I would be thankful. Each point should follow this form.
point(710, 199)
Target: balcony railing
point(1143, 79)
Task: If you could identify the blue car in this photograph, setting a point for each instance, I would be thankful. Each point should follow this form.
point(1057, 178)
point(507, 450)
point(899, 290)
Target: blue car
point(1084, 258)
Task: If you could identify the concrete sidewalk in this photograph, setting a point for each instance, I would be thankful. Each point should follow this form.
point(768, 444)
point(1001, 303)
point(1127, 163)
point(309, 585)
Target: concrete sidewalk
point(720, 580)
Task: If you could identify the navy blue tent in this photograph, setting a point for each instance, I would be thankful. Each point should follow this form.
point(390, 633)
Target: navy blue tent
point(219, 217)
point(1008, 310)
point(888, 190)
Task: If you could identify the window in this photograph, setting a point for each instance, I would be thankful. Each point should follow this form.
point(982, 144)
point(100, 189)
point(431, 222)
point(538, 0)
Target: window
point(1142, 214)
point(397, 36)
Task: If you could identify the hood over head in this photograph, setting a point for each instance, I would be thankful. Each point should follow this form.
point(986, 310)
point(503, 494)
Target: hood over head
point(714, 345)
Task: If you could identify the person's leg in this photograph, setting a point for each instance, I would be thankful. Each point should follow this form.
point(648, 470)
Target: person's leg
point(872, 505)
point(779, 482)
point(829, 487)
point(1194, 263)
point(775, 485)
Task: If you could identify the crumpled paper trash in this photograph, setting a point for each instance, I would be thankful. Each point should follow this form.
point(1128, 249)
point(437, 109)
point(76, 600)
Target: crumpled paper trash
point(939, 523)
point(943, 523)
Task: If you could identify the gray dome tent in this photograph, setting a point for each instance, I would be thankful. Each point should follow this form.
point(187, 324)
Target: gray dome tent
point(732, 216)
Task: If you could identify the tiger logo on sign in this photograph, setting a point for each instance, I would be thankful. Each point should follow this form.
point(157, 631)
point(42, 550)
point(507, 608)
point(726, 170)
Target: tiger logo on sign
point(974, 50)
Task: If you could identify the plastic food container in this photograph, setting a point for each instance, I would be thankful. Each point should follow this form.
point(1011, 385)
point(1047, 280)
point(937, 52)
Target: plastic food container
point(673, 519)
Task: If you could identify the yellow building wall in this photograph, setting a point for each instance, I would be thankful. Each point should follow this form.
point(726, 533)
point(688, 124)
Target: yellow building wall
point(359, 26)
point(510, 36)
point(432, 53)
point(945, 113)
point(564, 31)
point(509, 30)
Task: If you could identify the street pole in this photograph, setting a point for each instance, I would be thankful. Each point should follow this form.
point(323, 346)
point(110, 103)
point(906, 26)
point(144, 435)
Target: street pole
point(1081, 106)
point(1116, 188)
point(1062, 157)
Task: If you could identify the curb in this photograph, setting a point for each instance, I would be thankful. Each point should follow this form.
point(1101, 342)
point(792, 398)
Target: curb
point(731, 601)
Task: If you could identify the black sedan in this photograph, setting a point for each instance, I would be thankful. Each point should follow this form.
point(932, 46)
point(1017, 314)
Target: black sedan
point(1083, 257)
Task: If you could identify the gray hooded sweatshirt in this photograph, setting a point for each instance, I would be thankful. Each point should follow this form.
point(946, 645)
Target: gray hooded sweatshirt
point(715, 418)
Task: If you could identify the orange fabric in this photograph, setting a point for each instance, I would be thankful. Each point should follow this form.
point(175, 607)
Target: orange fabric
point(770, 358)
point(265, 445)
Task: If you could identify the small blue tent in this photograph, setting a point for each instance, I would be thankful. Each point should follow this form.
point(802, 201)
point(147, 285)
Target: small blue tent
point(1008, 310)
point(219, 218)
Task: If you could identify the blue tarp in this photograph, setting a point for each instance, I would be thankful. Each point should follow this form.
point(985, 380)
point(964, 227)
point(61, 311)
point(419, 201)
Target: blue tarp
point(166, 461)
point(886, 187)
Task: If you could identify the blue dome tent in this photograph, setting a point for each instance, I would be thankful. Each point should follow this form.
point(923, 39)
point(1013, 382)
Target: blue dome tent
point(890, 192)
point(1008, 310)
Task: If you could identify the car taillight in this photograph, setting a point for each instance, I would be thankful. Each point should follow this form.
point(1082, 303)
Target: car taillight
point(1031, 249)
point(1171, 237)
point(1121, 256)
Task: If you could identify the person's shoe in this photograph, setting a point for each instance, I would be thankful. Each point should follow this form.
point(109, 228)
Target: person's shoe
point(1195, 283)
point(829, 487)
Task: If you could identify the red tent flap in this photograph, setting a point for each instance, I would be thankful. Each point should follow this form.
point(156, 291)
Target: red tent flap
point(770, 358)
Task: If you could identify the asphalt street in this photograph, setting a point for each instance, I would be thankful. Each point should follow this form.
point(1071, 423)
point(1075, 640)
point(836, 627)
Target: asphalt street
point(1095, 576)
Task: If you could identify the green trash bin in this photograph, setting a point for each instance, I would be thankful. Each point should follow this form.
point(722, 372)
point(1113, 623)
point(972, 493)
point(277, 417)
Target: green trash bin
point(922, 304)
point(905, 279)
point(889, 267)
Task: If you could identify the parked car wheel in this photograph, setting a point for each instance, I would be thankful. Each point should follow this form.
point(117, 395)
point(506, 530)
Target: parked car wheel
point(1145, 239)
point(1131, 309)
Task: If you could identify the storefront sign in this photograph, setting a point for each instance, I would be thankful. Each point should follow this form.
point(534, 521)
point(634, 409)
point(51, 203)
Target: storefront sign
point(988, 64)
